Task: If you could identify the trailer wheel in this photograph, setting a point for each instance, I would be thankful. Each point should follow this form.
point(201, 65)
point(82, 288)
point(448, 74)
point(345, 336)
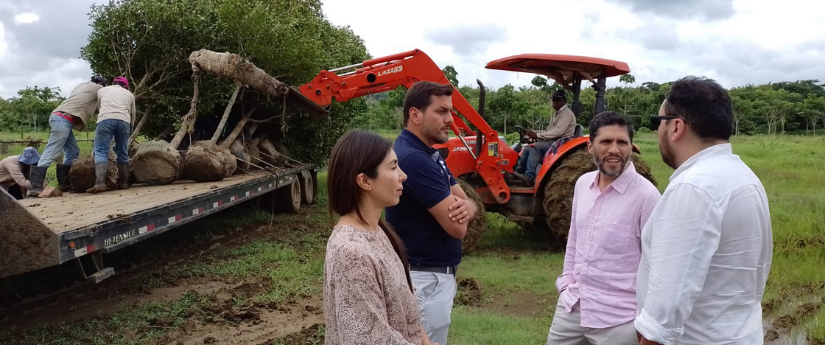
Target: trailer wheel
point(308, 190)
point(289, 197)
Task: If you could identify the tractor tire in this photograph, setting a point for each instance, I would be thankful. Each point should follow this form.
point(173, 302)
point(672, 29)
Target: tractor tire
point(308, 191)
point(477, 225)
point(558, 192)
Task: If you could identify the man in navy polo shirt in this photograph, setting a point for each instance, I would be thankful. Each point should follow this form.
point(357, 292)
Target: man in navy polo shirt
point(432, 215)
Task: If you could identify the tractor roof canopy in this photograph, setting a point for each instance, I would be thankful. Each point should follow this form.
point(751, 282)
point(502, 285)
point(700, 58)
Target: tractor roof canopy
point(561, 68)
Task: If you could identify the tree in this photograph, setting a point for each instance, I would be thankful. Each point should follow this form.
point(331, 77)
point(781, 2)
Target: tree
point(451, 74)
point(627, 79)
point(149, 42)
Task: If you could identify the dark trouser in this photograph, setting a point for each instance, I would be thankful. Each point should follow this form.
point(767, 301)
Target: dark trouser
point(15, 191)
point(533, 156)
point(105, 131)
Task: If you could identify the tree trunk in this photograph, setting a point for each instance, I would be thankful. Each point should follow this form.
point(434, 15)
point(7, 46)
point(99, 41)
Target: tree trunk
point(236, 67)
point(238, 128)
point(140, 124)
point(189, 118)
point(226, 112)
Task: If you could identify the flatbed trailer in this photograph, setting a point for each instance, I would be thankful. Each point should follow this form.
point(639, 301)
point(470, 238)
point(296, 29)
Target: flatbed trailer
point(37, 233)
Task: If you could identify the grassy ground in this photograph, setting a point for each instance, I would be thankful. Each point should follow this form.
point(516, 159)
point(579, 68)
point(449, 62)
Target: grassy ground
point(507, 293)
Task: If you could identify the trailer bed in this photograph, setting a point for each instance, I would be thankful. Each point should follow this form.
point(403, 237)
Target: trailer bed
point(76, 210)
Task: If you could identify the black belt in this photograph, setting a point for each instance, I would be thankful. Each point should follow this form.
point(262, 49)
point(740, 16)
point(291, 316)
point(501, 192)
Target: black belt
point(436, 269)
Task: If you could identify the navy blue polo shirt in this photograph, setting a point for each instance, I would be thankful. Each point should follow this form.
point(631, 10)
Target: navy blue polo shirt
point(428, 183)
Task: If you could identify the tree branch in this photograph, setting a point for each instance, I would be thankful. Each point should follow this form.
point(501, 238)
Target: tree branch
point(226, 112)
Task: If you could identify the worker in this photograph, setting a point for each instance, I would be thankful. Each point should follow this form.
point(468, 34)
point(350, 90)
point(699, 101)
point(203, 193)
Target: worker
point(563, 125)
point(14, 171)
point(597, 289)
point(707, 247)
point(73, 113)
point(432, 215)
point(116, 120)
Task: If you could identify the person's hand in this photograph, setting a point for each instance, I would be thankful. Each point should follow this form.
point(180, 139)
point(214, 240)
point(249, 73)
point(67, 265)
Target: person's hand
point(531, 134)
point(462, 210)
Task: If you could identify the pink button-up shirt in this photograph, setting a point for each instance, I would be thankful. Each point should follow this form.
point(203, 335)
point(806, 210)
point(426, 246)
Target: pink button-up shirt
point(604, 247)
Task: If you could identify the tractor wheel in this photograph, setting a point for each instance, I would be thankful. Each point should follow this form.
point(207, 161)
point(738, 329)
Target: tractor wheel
point(558, 192)
point(308, 190)
point(478, 224)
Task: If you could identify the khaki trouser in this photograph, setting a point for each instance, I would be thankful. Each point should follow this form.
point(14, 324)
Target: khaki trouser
point(567, 330)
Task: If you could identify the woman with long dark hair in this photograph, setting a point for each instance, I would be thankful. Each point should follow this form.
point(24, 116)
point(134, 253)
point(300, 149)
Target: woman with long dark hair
point(368, 294)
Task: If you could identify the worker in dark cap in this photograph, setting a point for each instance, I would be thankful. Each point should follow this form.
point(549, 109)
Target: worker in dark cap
point(562, 125)
point(73, 113)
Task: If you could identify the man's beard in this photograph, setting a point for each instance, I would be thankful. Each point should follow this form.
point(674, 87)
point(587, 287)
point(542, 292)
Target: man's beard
point(611, 173)
point(667, 155)
point(435, 135)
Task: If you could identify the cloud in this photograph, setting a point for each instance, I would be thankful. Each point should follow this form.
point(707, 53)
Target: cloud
point(42, 46)
point(468, 39)
point(703, 9)
point(26, 18)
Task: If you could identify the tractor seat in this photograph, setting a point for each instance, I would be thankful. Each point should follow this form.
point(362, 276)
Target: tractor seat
point(579, 131)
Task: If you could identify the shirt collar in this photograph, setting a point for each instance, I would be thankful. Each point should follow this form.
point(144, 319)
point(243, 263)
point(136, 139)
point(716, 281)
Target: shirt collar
point(415, 141)
point(561, 109)
point(621, 183)
point(715, 150)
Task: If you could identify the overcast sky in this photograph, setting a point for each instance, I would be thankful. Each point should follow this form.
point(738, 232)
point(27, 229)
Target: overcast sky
point(735, 42)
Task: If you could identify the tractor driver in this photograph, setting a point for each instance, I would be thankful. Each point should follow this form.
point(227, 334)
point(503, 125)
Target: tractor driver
point(563, 125)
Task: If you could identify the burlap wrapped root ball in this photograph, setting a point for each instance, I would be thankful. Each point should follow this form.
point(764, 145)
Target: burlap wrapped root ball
point(82, 174)
point(206, 162)
point(156, 162)
point(241, 155)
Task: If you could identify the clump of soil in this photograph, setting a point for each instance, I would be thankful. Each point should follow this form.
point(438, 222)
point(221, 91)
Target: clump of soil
point(224, 306)
point(469, 292)
point(253, 152)
point(206, 162)
point(156, 162)
point(82, 173)
point(270, 154)
point(477, 225)
point(311, 335)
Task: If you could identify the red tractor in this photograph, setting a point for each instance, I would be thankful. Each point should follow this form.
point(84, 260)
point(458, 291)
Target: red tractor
point(480, 159)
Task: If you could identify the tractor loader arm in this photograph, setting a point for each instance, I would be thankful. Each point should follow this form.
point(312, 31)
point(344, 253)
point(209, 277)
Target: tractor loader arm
point(405, 69)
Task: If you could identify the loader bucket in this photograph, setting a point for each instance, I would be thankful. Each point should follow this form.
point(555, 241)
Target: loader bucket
point(306, 104)
point(26, 243)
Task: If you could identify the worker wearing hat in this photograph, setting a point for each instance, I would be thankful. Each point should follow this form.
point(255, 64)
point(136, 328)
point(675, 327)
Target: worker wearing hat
point(73, 113)
point(115, 121)
point(14, 172)
point(563, 125)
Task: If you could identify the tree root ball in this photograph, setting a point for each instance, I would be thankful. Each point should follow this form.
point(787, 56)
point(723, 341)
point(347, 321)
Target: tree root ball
point(477, 225)
point(270, 154)
point(242, 157)
point(253, 152)
point(156, 162)
point(82, 174)
point(206, 162)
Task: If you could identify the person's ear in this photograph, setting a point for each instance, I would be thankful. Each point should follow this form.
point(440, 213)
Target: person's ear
point(679, 130)
point(416, 115)
point(589, 147)
point(363, 182)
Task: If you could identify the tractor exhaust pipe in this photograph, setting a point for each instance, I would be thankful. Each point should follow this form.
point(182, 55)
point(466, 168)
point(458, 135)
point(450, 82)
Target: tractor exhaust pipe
point(479, 137)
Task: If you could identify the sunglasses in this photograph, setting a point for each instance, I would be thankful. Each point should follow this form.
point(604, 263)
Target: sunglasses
point(655, 120)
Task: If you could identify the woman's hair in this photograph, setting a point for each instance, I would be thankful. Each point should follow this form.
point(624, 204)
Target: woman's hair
point(359, 152)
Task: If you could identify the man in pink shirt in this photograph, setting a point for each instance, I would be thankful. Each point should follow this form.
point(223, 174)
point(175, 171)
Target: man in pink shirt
point(597, 289)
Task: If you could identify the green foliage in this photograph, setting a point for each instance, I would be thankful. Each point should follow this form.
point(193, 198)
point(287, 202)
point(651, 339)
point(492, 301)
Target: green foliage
point(30, 109)
point(451, 74)
point(150, 41)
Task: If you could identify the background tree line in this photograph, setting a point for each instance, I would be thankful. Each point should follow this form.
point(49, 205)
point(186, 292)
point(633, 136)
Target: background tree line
point(786, 107)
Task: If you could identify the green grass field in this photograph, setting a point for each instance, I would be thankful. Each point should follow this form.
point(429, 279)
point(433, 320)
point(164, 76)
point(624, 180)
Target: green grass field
point(511, 295)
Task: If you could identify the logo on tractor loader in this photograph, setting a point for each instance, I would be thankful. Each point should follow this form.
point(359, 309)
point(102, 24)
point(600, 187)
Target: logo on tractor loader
point(460, 148)
point(392, 70)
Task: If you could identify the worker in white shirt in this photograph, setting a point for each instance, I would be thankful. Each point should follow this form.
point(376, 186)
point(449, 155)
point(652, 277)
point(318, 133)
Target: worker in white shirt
point(115, 121)
point(707, 246)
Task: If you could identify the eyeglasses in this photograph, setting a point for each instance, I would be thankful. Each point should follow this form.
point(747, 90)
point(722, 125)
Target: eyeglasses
point(655, 120)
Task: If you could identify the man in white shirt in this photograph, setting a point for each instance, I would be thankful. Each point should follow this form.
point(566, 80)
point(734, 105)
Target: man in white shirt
point(706, 249)
point(115, 120)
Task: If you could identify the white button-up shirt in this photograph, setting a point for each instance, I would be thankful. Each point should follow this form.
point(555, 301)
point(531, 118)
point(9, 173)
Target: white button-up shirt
point(706, 253)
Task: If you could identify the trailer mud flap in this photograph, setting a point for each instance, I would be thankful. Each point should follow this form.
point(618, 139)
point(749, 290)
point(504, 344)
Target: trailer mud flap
point(26, 242)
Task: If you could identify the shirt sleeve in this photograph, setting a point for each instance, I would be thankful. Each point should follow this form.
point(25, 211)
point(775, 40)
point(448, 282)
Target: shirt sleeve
point(17, 175)
point(685, 235)
point(567, 278)
point(360, 308)
point(563, 121)
point(425, 183)
point(648, 204)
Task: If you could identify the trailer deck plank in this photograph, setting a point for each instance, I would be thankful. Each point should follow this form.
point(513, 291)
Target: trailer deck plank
point(75, 210)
